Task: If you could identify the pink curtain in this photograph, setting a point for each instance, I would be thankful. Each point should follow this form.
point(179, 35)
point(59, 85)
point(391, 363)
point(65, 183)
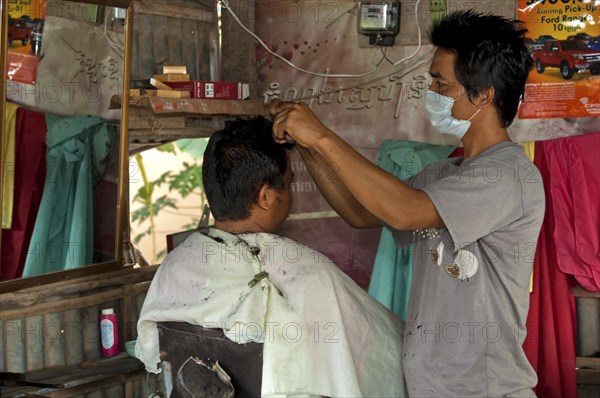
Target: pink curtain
point(574, 171)
point(570, 171)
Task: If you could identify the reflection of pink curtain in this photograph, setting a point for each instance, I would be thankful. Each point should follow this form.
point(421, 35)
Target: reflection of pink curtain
point(30, 173)
point(550, 342)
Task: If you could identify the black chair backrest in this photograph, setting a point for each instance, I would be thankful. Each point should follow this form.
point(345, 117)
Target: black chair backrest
point(242, 362)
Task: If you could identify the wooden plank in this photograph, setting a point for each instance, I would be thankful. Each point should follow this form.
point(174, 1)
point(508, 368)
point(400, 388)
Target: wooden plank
point(207, 106)
point(588, 376)
point(135, 148)
point(140, 290)
point(62, 305)
point(129, 389)
point(54, 345)
point(104, 373)
point(97, 394)
point(127, 314)
point(172, 9)
point(588, 370)
point(14, 348)
point(588, 362)
point(175, 69)
point(73, 336)
point(77, 12)
point(154, 136)
point(145, 50)
point(135, 60)
point(238, 47)
point(168, 93)
point(109, 3)
point(144, 119)
point(2, 356)
point(206, 52)
point(578, 291)
point(101, 386)
point(189, 39)
point(34, 343)
point(91, 332)
point(196, 106)
point(160, 42)
point(174, 40)
point(116, 390)
point(37, 294)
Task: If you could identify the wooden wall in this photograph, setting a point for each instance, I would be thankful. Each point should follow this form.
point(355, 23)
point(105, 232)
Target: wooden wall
point(51, 333)
point(174, 33)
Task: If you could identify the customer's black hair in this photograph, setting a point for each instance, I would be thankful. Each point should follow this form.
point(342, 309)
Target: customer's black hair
point(238, 160)
point(490, 51)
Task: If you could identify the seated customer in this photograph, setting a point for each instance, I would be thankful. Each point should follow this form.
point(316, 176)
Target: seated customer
point(322, 334)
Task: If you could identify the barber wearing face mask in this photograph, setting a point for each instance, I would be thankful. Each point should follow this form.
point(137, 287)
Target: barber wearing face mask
point(473, 221)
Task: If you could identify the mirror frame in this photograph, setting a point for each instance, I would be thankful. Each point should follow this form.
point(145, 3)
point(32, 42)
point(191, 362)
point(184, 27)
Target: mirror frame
point(123, 191)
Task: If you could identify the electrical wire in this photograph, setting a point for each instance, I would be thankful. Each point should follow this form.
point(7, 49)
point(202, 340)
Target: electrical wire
point(424, 59)
point(418, 33)
point(117, 46)
point(225, 4)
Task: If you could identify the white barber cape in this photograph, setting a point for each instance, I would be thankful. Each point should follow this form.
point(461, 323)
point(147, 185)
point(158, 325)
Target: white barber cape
point(322, 334)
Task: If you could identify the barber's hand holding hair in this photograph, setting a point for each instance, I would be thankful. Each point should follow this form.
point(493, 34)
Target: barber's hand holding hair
point(295, 121)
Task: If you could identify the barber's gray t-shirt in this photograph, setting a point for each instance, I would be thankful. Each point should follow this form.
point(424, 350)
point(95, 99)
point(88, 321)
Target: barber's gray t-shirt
point(469, 297)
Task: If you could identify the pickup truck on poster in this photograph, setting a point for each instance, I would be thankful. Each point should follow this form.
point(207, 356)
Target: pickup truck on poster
point(18, 30)
point(569, 55)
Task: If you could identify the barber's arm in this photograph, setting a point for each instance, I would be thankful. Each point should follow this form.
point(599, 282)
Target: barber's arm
point(334, 191)
point(383, 195)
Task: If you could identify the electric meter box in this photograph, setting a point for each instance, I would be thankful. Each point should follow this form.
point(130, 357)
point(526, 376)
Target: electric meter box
point(378, 18)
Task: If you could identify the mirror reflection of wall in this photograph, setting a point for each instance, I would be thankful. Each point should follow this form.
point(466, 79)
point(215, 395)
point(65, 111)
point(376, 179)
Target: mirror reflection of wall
point(81, 51)
point(61, 141)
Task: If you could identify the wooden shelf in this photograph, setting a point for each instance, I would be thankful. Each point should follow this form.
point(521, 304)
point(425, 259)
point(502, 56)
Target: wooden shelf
point(588, 370)
point(88, 376)
point(578, 291)
point(154, 121)
point(194, 106)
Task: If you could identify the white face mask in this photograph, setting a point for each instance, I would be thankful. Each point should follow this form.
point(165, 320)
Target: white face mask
point(439, 111)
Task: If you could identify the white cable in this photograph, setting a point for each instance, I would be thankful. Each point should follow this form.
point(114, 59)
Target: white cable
point(419, 34)
point(225, 4)
point(115, 45)
point(403, 72)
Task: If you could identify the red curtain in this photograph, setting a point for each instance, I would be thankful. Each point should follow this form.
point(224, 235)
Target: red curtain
point(30, 175)
point(551, 323)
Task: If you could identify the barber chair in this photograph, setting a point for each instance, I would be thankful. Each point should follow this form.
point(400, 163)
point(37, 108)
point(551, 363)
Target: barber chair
point(189, 352)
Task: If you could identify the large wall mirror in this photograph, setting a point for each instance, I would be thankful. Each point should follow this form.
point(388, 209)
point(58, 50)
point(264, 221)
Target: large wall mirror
point(63, 68)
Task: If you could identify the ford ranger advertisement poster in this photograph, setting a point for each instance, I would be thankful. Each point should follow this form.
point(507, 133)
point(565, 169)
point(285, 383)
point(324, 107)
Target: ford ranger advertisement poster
point(25, 27)
point(562, 38)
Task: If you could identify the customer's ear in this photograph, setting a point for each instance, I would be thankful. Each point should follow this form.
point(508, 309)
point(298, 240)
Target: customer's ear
point(485, 97)
point(264, 197)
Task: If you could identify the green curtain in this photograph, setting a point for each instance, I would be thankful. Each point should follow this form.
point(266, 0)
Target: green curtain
point(79, 148)
point(392, 272)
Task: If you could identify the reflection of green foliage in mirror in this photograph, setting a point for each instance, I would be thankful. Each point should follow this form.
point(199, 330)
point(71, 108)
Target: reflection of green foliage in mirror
point(188, 181)
point(193, 146)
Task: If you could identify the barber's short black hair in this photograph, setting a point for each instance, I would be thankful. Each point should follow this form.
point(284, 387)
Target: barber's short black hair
point(490, 52)
point(238, 160)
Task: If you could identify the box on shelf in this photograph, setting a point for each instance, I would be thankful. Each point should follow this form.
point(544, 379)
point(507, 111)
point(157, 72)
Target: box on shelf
point(167, 93)
point(216, 90)
point(172, 77)
point(158, 84)
point(174, 70)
